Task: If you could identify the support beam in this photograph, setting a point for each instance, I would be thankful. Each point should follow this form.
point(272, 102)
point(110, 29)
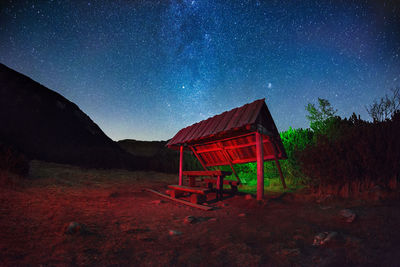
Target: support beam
point(260, 166)
point(277, 164)
point(198, 157)
point(180, 164)
point(229, 159)
point(280, 173)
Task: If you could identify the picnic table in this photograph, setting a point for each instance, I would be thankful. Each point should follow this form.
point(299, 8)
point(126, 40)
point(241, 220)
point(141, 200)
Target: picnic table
point(198, 193)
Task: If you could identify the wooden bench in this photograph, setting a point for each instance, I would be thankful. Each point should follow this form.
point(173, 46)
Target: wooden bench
point(233, 184)
point(198, 194)
point(219, 180)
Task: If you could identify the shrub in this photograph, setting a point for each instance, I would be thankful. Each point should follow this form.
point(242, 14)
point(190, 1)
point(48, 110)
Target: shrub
point(294, 140)
point(355, 151)
point(13, 161)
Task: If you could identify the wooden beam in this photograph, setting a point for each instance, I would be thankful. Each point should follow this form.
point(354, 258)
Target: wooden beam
point(280, 173)
point(200, 151)
point(198, 157)
point(260, 166)
point(229, 159)
point(278, 165)
point(245, 145)
point(180, 164)
point(206, 173)
point(229, 138)
point(190, 189)
point(180, 200)
point(215, 149)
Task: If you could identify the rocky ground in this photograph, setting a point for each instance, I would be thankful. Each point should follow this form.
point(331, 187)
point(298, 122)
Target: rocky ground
point(68, 216)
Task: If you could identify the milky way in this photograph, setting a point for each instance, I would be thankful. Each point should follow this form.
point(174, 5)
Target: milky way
point(145, 69)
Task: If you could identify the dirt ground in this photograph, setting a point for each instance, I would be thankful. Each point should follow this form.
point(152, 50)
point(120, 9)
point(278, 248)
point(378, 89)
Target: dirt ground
point(120, 224)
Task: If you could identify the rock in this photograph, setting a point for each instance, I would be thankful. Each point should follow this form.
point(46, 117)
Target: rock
point(298, 237)
point(190, 219)
point(248, 197)
point(324, 198)
point(157, 202)
point(75, 228)
point(242, 215)
point(376, 193)
point(348, 215)
point(212, 220)
point(323, 238)
point(289, 252)
point(173, 232)
point(351, 241)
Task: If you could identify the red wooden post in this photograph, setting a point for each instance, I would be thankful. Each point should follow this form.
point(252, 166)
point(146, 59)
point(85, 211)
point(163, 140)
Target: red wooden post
point(180, 164)
point(260, 166)
point(228, 158)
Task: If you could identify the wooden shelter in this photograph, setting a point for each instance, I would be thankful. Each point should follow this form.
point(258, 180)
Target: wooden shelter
point(241, 135)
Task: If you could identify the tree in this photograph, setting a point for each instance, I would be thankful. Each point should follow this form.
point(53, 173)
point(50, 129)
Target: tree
point(320, 117)
point(386, 107)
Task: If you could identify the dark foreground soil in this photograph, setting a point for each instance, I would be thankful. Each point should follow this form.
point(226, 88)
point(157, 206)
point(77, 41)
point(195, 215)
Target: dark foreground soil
point(122, 225)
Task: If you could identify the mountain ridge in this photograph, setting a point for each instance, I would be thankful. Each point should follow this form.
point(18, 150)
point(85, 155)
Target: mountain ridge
point(45, 125)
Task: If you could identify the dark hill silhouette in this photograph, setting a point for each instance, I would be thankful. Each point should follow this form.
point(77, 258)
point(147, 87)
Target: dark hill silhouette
point(45, 125)
point(160, 157)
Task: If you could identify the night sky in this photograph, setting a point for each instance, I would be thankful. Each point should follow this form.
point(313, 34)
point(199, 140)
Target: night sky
point(145, 69)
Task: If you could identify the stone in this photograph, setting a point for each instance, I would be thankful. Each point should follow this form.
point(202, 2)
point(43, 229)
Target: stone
point(157, 202)
point(376, 193)
point(248, 197)
point(293, 252)
point(190, 219)
point(324, 198)
point(298, 237)
point(348, 215)
point(174, 232)
point(323, 238)
point(75, 228)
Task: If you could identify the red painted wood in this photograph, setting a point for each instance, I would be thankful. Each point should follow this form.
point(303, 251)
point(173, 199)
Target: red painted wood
point(202, 207)
point(260, 167)
point(206, 173)
point(198, 157)
point(221, 124)
point(197, 190)
point(192, 181)
point(229, 159)
point(214, 181)
point(180, 164)
point(234, 151)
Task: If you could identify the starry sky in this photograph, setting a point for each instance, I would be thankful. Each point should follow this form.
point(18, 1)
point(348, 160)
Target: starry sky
point(144, 69)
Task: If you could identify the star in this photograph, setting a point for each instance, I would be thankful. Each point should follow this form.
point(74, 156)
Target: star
point(188, 60)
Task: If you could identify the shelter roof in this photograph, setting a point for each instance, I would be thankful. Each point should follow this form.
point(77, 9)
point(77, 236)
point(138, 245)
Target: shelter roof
point(237, 121)
point(229, 138)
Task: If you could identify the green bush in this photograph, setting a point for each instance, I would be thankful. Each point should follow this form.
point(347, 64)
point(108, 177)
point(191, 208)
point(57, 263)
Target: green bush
point(294, 141)
point(354, 151)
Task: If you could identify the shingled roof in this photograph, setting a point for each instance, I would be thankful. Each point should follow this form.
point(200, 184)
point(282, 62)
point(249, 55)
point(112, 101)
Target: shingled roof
point(245, 119)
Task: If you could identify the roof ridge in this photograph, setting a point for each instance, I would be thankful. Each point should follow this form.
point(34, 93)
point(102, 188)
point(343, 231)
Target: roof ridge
point(245, 118)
